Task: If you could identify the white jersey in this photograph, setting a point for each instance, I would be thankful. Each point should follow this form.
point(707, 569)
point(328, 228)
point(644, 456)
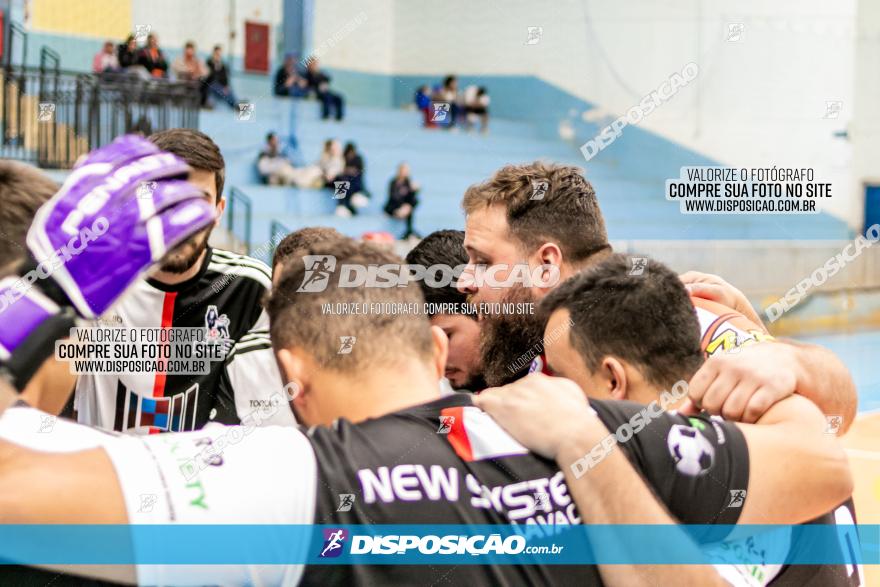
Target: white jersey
point(224, 299)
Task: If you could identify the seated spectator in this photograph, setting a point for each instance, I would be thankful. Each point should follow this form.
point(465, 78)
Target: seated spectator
point(217, 80)
point(332, 163)
point(319, 82)
point(276, 168)
point(356, 195)
point(187, 67)
point(152, 58)
point(423, 103)
point(288, 82)
point(127, 53)
point(402, 199)
point(476, 106)
point(106, 61)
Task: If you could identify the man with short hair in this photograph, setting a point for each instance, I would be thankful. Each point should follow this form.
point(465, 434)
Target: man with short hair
point(297, 240)
point(382, 400)
point(187, 67)
point(217, 81)
point(196, 286)
point(445, 248)
point(626, 337)
point(546, 217)
point(23, 189)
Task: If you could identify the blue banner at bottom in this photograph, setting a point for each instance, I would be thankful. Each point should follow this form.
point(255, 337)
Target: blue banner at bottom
point(439, 544)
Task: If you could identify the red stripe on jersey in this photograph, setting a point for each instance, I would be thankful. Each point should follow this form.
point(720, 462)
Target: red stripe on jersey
point(458, 436)
point(167, 321)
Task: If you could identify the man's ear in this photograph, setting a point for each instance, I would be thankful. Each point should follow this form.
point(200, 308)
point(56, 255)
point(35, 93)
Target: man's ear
point(441, 350)
point(615, 377)
point(221, 206)
point(294, 373)
point(550, 257)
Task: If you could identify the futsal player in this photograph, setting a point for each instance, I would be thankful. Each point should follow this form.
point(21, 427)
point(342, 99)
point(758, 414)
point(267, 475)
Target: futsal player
point(196, 286)
point(383, 401)
point(564, 230)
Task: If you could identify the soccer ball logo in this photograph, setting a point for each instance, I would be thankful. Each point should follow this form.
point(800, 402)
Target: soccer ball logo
point(246, 112)
point(693, 453)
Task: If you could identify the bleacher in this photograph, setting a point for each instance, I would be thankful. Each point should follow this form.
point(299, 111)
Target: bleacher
point(445, 163)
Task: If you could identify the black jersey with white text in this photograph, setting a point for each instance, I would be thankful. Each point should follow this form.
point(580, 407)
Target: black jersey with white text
point(445, 462)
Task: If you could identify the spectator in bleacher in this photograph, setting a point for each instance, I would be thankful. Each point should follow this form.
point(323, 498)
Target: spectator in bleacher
point(276, 168)
point(332, 163)
point(423, 103)
point(402, 199)
point(476, 106)
point(127, 53)
point(152, 58)
point(353, 173)
point(187, 67)
point(217, 80)
point(319, 82)
point(288, 82)
point(106, 61)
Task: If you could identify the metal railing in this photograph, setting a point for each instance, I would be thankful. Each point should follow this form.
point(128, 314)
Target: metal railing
point(277, 231)
point(50, 117)
point(239, 213)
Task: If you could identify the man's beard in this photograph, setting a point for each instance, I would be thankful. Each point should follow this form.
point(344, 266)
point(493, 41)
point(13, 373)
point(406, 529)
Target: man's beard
point(507, 340)
point(184, 256)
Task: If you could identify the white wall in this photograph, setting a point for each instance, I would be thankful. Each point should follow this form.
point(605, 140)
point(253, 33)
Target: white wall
point(354, 34)
point(760, 101)
point(206, 22)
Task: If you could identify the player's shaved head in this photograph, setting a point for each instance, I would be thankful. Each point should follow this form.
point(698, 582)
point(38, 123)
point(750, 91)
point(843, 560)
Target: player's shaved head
point(23, 189)
point(647, 320)
point(299, 319)
point(300, 239)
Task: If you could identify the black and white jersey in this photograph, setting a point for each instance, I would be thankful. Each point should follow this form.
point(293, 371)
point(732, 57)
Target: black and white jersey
point(445, 462)
point(225, 300)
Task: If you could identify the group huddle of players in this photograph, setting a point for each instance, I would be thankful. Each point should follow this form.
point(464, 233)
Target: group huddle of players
point(484, 407)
